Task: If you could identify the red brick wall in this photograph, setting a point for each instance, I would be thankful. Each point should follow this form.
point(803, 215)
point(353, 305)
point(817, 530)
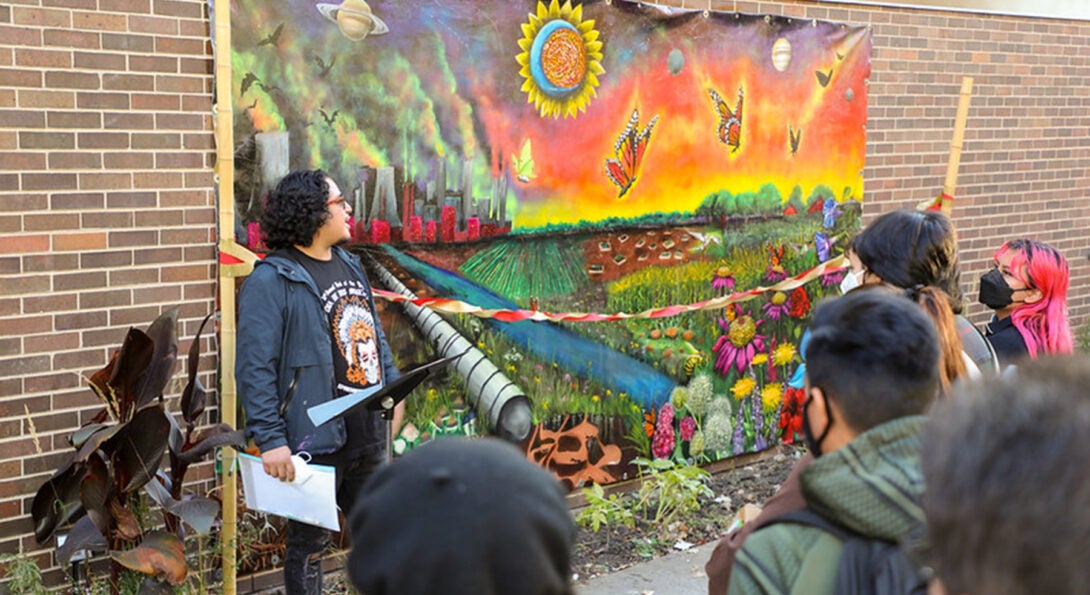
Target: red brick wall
point(107, 212)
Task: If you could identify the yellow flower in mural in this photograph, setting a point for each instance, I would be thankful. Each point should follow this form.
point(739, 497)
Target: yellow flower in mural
point(760, 359)
point(561, 59)
point(771, 395)
point(743, 387)
point(783, 354)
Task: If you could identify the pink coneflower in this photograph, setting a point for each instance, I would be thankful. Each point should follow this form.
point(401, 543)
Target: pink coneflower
point(833, 278)
point(776, 306)
point(723, 280)
point(739, 343)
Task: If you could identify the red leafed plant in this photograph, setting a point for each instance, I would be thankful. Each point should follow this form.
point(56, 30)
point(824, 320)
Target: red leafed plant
point(120, 451)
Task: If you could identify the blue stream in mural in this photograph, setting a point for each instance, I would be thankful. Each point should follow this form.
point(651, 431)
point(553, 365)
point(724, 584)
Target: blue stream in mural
point(547, 341)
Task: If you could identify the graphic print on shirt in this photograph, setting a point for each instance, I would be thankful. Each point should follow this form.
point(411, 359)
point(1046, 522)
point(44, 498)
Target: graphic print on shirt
point(355, 328)
point(355, 340)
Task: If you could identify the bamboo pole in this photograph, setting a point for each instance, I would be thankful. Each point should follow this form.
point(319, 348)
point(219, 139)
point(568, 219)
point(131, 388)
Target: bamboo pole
point(949, 186)
point(225, 168)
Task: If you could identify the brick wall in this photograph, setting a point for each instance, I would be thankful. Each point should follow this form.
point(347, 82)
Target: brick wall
point(107, 212)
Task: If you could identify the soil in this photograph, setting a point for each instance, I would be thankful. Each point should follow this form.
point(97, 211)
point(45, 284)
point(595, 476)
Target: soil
point(615, 547)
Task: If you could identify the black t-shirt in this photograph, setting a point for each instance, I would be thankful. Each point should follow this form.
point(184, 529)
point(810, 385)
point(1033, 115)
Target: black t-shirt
point(1007, 341)
point(353, 338)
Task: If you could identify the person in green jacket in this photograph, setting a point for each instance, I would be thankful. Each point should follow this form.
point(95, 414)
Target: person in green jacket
point(872, 372)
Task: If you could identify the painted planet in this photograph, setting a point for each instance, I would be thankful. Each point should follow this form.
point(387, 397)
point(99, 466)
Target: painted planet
point(781, 54)
point(675, 61)
point(354, 18)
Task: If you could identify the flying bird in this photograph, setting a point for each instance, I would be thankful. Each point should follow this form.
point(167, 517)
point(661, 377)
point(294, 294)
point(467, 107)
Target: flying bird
point(323, 68)
point(248, 80)
point(329, 118)
point(274, 38)
point(524, 163)
point(824, 77)
point(271, 90)
point(730, 123)
point(629, 150)
point(793, 138)
point(705, 239)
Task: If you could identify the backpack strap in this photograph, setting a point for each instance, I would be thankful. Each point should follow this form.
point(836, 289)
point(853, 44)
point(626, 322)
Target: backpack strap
point(808, 517)
point(866, 566)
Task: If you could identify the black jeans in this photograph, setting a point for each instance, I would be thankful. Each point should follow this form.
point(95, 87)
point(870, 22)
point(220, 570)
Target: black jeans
point(306, 543)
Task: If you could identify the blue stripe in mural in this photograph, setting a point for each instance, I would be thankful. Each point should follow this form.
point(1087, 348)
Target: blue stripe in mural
point(549, 342)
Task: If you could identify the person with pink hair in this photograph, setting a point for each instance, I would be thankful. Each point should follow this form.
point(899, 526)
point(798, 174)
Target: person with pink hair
point(1027, 289)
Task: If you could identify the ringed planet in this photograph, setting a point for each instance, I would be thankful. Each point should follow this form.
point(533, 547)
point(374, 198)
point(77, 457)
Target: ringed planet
point(781, 54)
point(354, 18)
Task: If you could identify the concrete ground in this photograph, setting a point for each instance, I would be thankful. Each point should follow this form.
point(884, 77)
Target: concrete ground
point(679, 573)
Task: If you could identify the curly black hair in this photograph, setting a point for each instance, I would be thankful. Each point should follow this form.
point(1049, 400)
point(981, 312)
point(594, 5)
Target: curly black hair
point(296, 209)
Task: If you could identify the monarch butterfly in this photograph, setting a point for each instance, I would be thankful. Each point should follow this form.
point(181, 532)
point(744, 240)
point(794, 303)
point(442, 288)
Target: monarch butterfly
point(629, 148)
point(730, 123)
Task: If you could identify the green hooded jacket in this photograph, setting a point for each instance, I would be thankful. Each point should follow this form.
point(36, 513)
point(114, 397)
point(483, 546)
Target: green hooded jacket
point(872, 486)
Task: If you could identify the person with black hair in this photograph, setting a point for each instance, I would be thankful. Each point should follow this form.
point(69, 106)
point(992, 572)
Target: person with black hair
point(914, 249)
point(308, 332)
point(1005, 461)
point(871, 373)
point(462, 516)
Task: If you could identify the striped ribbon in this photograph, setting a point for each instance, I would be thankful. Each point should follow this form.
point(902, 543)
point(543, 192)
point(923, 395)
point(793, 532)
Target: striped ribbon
point(460, 307)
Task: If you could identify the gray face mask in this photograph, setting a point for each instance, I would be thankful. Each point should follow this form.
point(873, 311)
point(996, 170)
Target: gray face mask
point(851, 281)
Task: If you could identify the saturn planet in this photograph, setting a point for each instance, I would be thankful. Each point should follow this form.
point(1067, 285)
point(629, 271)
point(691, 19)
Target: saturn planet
point(354, 18)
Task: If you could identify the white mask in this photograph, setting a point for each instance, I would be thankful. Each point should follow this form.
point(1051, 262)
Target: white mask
point(850, 281)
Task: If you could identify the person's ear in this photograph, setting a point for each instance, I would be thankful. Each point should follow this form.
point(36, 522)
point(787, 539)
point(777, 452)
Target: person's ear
point(817, 411)
point(1033, 296)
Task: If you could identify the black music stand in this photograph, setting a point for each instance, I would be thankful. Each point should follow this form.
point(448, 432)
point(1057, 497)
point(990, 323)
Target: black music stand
point(386, 399)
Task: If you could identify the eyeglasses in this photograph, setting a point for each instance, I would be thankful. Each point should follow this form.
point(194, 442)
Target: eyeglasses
point(340, 200)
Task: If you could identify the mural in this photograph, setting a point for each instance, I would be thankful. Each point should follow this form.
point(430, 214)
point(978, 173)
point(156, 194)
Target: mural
point(617, 211)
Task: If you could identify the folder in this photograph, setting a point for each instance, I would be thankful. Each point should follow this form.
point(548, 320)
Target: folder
point(311, 498)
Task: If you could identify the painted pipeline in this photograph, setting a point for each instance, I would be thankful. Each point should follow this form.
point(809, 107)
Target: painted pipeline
point(494, 396)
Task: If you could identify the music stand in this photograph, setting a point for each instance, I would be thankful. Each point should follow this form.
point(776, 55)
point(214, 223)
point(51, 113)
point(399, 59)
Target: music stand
point(383, 400)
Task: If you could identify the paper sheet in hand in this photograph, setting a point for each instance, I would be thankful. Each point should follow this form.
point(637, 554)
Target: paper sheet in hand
point(311, 498)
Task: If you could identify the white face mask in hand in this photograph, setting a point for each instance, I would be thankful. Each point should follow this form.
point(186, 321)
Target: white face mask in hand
point(850, 281)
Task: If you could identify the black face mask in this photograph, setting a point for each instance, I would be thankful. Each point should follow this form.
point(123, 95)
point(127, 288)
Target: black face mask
point(994, 291)
point(814, 443)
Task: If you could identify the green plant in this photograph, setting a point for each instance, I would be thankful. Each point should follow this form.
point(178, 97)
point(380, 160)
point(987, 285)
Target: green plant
point(1082, 338)
point(602, 510)
point(120, 451)
point(670, 491)
point(25, 578)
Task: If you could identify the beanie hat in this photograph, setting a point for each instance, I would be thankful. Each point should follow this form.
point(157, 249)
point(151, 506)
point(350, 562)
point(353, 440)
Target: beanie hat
point(461, 516)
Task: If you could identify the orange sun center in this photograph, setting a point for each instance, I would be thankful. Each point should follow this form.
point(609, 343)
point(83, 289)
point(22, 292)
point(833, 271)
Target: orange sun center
point(563, 58)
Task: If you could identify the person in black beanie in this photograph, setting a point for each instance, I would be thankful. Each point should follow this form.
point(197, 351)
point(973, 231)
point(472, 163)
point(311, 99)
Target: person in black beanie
point(462, 516)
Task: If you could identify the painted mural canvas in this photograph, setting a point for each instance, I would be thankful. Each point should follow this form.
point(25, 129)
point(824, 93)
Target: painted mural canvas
point(620, 215)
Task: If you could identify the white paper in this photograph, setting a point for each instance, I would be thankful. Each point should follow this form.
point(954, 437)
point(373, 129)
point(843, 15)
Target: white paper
point(311, 498)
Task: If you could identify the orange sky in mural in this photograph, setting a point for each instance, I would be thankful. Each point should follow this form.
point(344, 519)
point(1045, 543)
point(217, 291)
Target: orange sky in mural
point(685, 161)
